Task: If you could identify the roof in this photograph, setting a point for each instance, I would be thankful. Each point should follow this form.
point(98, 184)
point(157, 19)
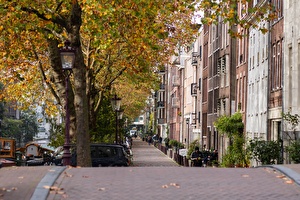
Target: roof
point(43, 146)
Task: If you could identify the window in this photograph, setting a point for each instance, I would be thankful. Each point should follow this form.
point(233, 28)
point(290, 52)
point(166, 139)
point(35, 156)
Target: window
point(200, 52)
point(276, 73)
point(204, 90)
point(278, 7)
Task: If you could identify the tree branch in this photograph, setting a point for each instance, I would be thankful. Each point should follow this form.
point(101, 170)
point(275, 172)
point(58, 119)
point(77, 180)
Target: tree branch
point(40, 66)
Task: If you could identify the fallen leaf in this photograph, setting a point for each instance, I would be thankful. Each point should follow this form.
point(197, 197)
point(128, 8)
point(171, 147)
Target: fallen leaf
point(56, 188)
point(46, 186)
point(165, 186)
point(101, 189)
point(289, 182)
point(68, 175)
point(21, 177)
point(245, 175)
point(281, 176)
point(60, 192)
point(175, 185)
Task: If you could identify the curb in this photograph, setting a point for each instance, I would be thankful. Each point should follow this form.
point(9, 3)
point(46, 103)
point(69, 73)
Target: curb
point(287, 171)
point(41, 192)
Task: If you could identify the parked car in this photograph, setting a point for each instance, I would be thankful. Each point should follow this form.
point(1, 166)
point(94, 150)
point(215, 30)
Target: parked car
point(106, 155)
point(127, 150)
point(57, 156)
point(35, 161)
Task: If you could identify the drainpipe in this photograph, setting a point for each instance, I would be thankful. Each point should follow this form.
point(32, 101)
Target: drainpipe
point(269, 72)
point(282, 106)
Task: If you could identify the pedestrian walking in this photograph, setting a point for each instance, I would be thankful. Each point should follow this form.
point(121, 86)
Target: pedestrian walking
point(149, 139)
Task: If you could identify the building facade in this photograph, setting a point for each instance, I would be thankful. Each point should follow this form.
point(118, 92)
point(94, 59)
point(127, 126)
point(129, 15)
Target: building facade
point(256, 74)
point(291, 73)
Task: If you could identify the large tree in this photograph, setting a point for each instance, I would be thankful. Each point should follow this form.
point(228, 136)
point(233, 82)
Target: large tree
point(112, 39)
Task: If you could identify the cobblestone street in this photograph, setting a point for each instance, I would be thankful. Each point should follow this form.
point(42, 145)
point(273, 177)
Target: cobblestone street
point(155, 176)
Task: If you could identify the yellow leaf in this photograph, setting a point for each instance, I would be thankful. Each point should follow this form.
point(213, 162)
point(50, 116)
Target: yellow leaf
point(48, 16)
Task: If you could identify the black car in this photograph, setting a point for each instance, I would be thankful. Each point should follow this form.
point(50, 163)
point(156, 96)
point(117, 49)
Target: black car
point(104, 155)
point(35, 161)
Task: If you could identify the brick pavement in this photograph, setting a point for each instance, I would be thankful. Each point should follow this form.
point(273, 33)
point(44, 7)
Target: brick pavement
point(163, 179)
point(178, 183)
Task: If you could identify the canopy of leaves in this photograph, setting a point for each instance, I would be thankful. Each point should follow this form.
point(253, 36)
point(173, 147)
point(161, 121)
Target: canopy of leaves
point(117, 37)
point(242, 13)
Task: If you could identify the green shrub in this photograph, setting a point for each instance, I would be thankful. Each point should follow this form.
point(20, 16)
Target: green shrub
point(232, 127)
point(266, 152)
point(176, 144)
point(228, 159)
point(294, 151)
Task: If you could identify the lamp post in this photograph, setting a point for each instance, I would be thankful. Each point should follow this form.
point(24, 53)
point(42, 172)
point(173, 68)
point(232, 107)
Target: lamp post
point(115, 104)
point(188, 131)
point(67, 55)
point(120, 116)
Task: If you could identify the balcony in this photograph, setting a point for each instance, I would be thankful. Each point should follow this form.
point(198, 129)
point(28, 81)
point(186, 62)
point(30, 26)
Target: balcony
point(161, 121)
point(162, 71)
point(194, 118)
point(160, 104)
point(195, 56)
point(194, 89)
point(162, 87)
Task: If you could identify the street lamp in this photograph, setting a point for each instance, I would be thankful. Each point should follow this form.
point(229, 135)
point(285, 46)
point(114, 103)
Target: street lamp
point(188, 130)
point(67, 55)
point(115, 104)
point(120, 116)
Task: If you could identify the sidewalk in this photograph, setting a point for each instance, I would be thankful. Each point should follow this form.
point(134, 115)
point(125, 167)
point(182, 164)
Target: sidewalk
point(18, 183)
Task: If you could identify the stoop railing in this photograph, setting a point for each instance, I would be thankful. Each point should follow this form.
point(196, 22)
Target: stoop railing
point(174, 154)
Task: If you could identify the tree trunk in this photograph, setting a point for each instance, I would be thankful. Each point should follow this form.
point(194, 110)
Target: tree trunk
point(80, 91)
point(81, 108)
